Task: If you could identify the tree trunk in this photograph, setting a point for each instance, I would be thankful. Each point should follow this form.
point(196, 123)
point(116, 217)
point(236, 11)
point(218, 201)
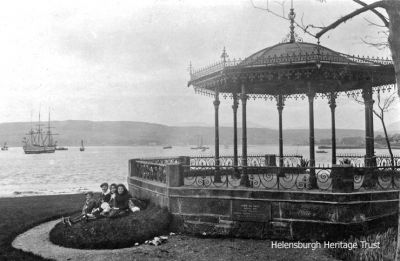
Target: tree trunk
point(393, 10)
point(388, 143)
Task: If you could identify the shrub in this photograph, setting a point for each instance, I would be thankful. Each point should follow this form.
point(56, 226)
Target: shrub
point(387, 243)
point(114, 233)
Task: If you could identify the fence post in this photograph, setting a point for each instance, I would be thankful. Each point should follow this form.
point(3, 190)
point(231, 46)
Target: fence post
point(270, 160)
point(132, 168)
point(174, 175)
point(184, 160)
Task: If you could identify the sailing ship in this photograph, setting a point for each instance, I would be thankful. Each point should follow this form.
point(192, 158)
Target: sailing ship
point(200, 146)
point(39, 141)
point(5, 147)
point(82, 148)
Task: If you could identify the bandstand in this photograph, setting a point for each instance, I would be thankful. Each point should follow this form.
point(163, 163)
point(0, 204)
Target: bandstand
point(278, 196)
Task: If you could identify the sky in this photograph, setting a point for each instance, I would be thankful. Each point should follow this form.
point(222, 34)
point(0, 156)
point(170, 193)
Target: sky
point(116, 60)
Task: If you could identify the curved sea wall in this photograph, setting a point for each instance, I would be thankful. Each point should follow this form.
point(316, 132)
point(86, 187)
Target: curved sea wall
point(261, 213)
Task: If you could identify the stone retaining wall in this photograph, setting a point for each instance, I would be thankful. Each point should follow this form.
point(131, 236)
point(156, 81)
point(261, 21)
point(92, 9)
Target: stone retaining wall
point(270, 214)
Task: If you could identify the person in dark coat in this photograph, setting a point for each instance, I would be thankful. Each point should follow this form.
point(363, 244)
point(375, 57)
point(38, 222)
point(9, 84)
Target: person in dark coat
point(122, 198)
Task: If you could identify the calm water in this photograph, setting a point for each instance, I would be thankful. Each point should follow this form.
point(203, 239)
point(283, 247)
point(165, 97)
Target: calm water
point(73, 171)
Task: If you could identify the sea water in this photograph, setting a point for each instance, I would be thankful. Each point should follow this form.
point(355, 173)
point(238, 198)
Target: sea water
point(73, 171)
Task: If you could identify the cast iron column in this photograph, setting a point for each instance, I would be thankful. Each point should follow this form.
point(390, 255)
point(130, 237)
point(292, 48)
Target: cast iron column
point(369, 132)
point(235, 147)
point(216, 102)
point(244, 180)
point(280, 104)
point(332, 105)
point(311, 95)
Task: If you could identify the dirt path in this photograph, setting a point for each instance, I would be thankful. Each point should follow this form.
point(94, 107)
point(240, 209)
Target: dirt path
point(179, 247)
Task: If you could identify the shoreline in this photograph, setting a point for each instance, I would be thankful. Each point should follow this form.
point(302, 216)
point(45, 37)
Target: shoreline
point(26, 195)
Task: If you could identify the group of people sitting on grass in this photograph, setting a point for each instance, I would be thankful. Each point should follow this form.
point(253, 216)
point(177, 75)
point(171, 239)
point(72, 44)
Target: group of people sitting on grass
point(111, 203)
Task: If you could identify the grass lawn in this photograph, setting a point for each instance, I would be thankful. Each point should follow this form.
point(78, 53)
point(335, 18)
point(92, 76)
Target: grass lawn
point(19, 214)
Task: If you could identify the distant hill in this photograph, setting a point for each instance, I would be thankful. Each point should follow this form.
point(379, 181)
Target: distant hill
point(98, 133)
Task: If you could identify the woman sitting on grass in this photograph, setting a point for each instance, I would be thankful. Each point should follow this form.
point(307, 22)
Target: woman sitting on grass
point(122, 198)
point(87, 208)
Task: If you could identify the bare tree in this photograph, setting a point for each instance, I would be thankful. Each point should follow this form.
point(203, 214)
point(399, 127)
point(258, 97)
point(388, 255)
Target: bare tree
point(384, 105)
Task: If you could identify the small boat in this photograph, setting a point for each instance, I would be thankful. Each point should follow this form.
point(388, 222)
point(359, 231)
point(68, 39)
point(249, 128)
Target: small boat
point(5, 147)
point(321, 151)
point(200, 146)
point(61, 148)
point(167, 147)
point(82, 148)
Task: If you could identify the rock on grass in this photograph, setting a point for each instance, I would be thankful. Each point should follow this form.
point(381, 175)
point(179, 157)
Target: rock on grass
point(114, 233)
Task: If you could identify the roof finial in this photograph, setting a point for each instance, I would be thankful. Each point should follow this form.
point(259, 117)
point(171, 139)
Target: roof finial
point(292, 15)
point(190, 68)
point(224, 55)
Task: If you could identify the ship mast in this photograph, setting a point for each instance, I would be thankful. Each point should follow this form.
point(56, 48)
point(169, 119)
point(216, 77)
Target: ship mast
point(49, 142)
point(31, 132)
point(39, 136)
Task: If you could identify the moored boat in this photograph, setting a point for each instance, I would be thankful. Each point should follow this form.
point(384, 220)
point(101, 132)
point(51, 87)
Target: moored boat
point(82, 148)
point(5, 147)
point(61, 148)
point(200, 146)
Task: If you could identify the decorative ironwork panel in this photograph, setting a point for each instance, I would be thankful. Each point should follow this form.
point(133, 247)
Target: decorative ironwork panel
point(150, 171)
point(167, 160)
point(358, 160)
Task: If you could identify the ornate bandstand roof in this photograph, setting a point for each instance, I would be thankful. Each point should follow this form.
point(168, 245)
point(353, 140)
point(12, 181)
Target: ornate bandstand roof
point(293, 68)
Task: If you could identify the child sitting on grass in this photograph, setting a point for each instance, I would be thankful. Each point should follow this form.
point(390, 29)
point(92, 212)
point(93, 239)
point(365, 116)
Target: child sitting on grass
point(105, 196)
point(105, 202)
point(87, 208)
point(113, 192)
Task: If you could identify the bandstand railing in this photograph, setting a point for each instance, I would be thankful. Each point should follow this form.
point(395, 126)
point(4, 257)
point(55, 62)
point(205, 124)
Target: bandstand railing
point(186, 171)
point(358, 160)
point(252, 160)
point(288, 59)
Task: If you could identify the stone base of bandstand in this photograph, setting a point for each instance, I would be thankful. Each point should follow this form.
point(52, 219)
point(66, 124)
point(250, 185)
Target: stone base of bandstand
point(271, 214)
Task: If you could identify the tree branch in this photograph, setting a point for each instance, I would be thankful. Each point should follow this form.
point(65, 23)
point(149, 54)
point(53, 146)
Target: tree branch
point(379, 45)
point(349, 16)
point(302, 27)
point(377, 114)
point(381, 16)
